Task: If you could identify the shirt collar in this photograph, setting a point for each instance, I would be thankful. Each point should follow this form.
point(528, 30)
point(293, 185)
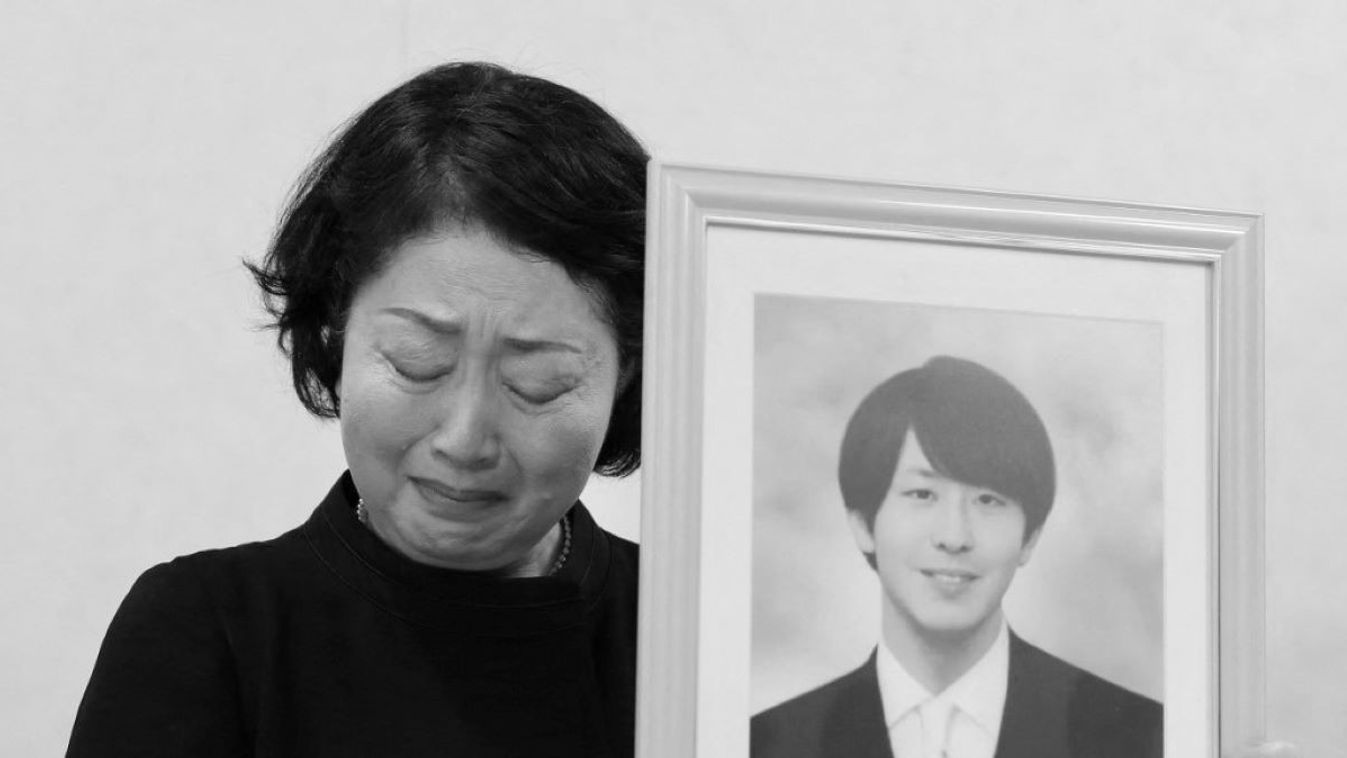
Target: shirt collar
point(980, 692)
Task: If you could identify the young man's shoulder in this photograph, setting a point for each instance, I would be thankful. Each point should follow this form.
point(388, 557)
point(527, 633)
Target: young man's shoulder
point(1043, 670)
point(1053, 709)
point(841, 717)
point(1050, 702)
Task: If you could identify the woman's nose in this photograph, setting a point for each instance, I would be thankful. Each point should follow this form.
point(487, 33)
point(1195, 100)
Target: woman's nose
point(467, 435)
point(953, 532)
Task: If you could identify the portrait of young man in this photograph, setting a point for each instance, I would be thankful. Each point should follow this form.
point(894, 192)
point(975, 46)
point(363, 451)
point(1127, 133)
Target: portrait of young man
point(947, 475)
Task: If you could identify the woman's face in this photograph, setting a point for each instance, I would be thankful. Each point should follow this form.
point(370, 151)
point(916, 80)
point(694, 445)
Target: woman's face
point(476, 389)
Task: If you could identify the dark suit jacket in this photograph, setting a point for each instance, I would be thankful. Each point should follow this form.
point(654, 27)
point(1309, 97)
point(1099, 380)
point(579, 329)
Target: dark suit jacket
point(1053, 710)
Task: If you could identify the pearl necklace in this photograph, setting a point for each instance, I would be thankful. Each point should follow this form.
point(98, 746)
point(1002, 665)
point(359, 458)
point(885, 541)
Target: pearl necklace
point(362, 515)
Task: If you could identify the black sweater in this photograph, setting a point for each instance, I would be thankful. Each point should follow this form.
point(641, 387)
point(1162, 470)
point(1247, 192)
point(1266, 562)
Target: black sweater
point(325, 642)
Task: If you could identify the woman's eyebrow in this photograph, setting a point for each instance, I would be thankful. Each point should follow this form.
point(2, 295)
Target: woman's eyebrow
point(442, 326)
point(452, 327)
point(524, 345)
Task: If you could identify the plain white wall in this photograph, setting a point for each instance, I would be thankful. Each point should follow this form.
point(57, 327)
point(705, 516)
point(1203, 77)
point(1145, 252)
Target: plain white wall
point(145, 147)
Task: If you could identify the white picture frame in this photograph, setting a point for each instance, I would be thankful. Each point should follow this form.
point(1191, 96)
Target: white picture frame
point(718, 238)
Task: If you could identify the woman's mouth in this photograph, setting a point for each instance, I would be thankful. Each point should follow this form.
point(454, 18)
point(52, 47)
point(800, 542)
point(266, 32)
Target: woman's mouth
point(439, 491)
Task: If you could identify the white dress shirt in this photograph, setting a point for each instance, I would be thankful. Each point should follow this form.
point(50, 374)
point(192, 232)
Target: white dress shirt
point(963, 721)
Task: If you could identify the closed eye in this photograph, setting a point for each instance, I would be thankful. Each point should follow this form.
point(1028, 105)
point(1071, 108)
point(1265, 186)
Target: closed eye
point(538, 379)
point(419, 374)
point(538, 395)
point(415, 360)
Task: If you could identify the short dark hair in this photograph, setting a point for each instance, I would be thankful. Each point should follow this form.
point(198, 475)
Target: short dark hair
point(537, 165)
point(973, 425)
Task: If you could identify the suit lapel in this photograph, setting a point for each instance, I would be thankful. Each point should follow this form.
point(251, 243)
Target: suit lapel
point(855, 725)
point(1033, 723)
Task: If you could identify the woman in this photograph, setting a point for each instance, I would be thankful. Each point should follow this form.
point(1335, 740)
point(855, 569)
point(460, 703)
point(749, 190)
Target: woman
point(458, 280)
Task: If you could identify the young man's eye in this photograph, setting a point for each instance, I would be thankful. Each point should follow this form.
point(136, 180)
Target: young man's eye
point(991, 498)
point(919, 493)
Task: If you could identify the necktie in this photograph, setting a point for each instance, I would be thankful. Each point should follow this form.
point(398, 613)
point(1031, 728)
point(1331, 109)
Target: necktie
point(935, 718)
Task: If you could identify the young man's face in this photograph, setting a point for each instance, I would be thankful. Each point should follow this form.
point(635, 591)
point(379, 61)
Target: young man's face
point(945, 551)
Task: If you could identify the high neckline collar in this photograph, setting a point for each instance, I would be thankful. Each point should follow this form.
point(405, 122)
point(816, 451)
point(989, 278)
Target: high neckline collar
point(440, 596)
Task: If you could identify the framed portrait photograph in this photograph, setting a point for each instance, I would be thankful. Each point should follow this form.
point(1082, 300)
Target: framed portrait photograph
point(941, 472)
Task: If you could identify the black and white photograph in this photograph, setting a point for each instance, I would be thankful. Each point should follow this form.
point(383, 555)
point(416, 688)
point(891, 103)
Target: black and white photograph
point(945, 472)
point(941, 497)
point(465, 377)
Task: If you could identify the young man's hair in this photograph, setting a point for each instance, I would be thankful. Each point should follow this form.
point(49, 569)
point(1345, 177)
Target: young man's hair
point(973, 425)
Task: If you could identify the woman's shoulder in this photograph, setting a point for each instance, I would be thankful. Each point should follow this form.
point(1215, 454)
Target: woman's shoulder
point(624, 550)
point(210, 575)
point(615, 557)
point(172, 648)
point(624, 559)
point(231, 558)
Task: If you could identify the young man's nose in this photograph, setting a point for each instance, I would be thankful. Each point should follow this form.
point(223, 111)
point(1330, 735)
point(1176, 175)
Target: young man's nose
point(952, 532)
